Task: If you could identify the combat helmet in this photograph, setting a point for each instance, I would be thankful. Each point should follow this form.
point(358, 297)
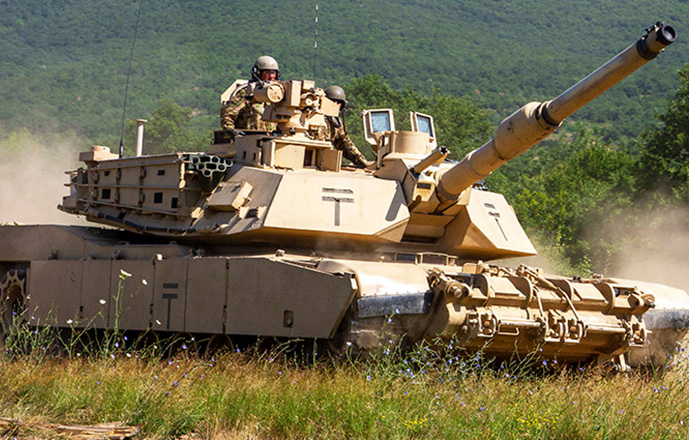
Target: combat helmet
point(337, 94)
point(264, 62)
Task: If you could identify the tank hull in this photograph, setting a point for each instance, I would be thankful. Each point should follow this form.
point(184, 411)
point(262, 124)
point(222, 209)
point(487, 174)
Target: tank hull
point(69, 276)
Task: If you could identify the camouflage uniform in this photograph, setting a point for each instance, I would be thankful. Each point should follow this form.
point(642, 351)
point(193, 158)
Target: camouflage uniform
point(240, 113)
point(341, 141)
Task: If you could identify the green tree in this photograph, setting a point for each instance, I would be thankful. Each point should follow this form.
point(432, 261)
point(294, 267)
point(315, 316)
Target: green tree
point(167, 130)
point(665, 153)
point(569, 191)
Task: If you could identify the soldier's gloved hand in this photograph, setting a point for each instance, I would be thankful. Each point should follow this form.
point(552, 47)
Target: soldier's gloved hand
point(234, 133)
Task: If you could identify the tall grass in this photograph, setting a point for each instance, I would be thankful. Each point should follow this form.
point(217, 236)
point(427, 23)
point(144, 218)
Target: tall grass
point(294, 392)
point(425, 393)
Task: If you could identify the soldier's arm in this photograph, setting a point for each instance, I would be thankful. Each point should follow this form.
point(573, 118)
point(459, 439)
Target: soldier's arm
point(341, 141)
point(230, 109)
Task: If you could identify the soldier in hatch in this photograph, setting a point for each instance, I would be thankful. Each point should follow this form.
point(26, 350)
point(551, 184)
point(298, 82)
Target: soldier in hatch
point(337, 133)
point(238, 112)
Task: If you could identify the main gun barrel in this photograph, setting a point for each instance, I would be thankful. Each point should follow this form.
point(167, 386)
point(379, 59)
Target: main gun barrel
point(535, 121)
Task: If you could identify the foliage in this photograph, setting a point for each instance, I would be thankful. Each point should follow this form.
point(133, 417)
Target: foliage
point(64, 65)
point(167, 130)
point(665, 154)
point(567, 189)
point(430, 392)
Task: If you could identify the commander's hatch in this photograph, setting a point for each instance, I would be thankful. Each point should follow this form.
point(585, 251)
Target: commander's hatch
point(379, 131)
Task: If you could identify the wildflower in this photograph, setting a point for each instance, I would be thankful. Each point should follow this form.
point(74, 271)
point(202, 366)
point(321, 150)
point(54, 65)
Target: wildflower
point(620, 411)
point(102, 302)
point(681, 422)
point(270, 360)
point(545, 363)
point(200, 376)
point(69, 322)
point(97, 382)
point(169, 362)
point(664, 387)
point(238, 350)
point(175, 384)
point(159, 323)
point(184, 346)
point(112, 356)
point(368, 377)
point(124, 273)
point(480, 408)
point(279, 373)
point(117, 345)
point(144, 282)
point(389, 320)
point(406, 393)
point(125, 338)
point(184, 375)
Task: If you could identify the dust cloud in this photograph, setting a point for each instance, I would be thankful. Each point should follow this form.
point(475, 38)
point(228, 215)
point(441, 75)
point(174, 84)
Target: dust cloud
point(655, 247)
point(32, 178)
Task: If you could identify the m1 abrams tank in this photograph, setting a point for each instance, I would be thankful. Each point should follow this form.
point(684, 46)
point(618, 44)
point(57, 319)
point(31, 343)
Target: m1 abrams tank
point(266, 234)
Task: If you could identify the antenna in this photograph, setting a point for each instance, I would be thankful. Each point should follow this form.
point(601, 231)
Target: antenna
point(315, 42)
point(129, 71)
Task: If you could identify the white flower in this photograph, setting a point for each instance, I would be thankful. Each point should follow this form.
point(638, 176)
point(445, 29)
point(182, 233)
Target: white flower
point(158, 322)
point(144, 282)
point(124, 273)
point(69, 322)
point(102, 301)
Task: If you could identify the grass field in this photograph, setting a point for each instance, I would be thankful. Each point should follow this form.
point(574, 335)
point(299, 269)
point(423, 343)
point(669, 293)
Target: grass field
point(426, 393)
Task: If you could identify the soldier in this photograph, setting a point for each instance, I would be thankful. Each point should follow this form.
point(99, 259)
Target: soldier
point(337, 133)
point(239, 112)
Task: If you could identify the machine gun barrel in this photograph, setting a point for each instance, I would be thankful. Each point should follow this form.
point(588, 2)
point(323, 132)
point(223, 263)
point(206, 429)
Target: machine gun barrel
point(535, 121)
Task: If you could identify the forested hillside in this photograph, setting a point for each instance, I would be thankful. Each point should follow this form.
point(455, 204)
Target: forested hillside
point(605, 190)
point(63, 63)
